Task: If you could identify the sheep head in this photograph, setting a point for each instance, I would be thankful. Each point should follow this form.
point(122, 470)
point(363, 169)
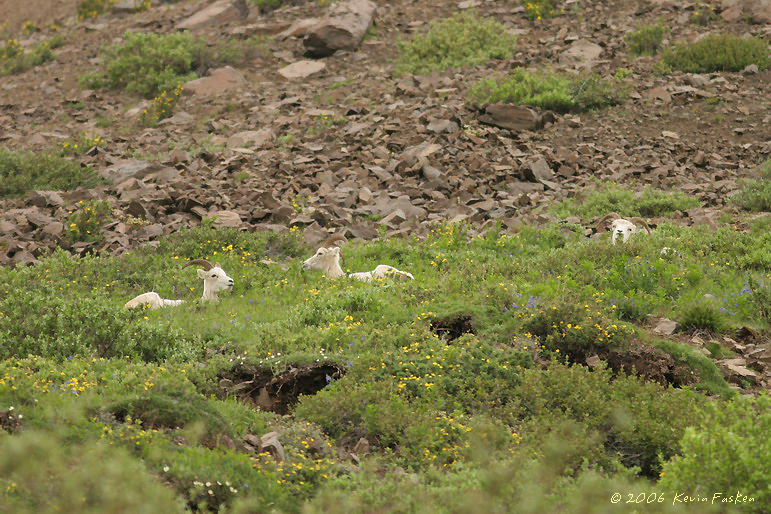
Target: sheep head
point(622, 228)
point(326, 260)
point(214, 278)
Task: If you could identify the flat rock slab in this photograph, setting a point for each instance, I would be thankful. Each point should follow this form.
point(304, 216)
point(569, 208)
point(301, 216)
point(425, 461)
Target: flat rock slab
point(581, 51)
point(301, 69)
point(250, 138)
point(218, 81)
point(512, 117)
point(215, 14)
point(342, 30)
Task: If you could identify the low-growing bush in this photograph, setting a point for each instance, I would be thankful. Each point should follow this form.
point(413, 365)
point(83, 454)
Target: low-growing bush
point(85, 224)
point(755, 195)
point(718, 52)
point(15, 58)
point(726, 454)
point(539, 9)
point(461, 40)
point(161, 107)
point(54, 325)
point(553, 91)
point(626, 203)
point(21, 172)
point(646, 40)
point(575, 330)
point(147, 64)
point(42, 473)
point(702, 316)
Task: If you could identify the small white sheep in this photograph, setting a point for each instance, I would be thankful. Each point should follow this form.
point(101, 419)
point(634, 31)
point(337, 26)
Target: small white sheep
point(214, 280)
point(327, 260)
point(622, 228)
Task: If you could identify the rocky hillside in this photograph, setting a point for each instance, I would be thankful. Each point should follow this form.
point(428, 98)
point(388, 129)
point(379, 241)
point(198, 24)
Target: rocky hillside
point(280, 139)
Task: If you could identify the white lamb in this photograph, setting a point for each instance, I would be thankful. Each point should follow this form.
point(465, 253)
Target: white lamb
point(214, 280)
point(327, 260)
point(623, 228)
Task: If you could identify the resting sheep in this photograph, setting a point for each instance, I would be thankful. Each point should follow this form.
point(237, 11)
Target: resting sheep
point(623, 228)
point(327, 260)
point(214, 280)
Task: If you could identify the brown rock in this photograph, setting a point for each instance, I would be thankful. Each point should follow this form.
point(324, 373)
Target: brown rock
point(538, 171)
point(217, 13)
point(45, 199)
point(218, 81)
point(342, 30)
point(298, 28)
point(513, 117)
point(301, 69)
point(581, 51)
point(270, 443)
point(226, 219)
point(250, 138)
point(665, 327)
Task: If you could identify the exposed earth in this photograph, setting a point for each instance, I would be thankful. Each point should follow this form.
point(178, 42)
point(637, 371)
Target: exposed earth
point(355, 147)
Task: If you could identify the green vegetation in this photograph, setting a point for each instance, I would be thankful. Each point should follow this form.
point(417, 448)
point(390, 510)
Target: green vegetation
point(553, 91)
point(755, 195)
point(646, 40)
point(93, 8)
point(86, 222)
point(147, 64)
point(612, 198)
point(461, 40)
point(718, 52)
point(466, 383)
point(15, 58)
point(703, 14)
point(161, 107)
point(726, 451)
point(539, 9)
point(21, 172)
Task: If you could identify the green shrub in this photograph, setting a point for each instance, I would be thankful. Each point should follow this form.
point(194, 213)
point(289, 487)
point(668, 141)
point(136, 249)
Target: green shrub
point(161, 107)
point(42, 473)
point(461, 40)
point(631, 419)
point(718, 52)
point(755, 195)
point(59, 326)
point(646, 40)
point(553, 91)
point(148, 64)
point(93, 8)
point(703, 14)
point(21, 172)
point(539, 9)
point(85, 224)
point(702, 316)
point(15, 58)
point(726, 453)
point(613, 198)
point(710, 377)
point(574, 330)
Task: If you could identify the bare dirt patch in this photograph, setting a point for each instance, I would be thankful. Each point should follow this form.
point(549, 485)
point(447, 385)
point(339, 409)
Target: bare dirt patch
point(277, 393)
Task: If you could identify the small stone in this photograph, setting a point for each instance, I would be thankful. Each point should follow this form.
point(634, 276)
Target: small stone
point(301, 69)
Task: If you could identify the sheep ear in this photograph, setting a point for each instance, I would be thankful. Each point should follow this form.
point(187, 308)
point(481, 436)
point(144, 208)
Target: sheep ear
point(201, 273)
point(217, 265)
point(602, 225)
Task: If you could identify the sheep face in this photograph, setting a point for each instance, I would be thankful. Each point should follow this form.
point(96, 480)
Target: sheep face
point(623, 229)
point(326, 260)
point(214, 281)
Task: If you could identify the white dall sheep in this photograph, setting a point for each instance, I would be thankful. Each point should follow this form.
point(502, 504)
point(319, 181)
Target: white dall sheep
point(214, 280)
point(622, 228)
point(327, 260)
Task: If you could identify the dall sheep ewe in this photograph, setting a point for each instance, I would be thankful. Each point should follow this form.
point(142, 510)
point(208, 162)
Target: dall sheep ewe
point(214, 280)
point(327, 260)
point(622, 228)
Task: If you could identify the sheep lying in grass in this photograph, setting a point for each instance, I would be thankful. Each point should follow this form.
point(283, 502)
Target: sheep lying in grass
point(214, 280)
point(623, 228)
point(327, 260)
